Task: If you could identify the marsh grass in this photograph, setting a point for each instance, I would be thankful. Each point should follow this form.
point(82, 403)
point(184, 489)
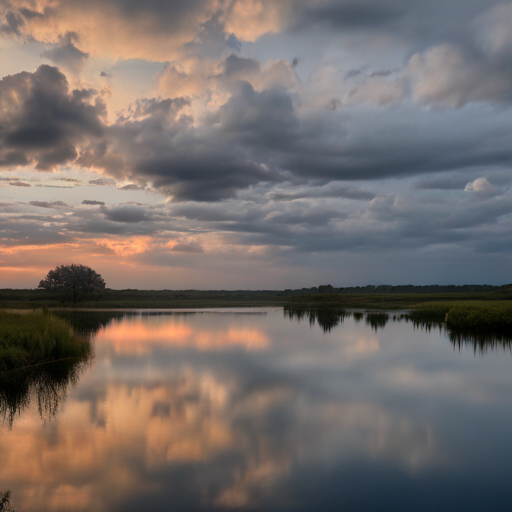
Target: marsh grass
point(471, 316)
point(28, 339)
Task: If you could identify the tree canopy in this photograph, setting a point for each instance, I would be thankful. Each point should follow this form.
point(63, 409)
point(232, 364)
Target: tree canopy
point(74, 281)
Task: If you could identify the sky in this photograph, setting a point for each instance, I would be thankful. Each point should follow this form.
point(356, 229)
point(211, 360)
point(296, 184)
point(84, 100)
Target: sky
point(256, 144)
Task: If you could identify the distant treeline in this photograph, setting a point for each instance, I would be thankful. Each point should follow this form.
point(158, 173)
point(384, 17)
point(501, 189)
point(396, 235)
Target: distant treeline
point(109, 294)
point(407, 288)
point(356, 296)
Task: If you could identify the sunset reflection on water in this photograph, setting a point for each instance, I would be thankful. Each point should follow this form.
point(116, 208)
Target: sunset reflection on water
point(229, 411)
point(142, 334)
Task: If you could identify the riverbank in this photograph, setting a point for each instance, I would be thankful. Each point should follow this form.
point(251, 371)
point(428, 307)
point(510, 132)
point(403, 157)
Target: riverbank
point(28, 339)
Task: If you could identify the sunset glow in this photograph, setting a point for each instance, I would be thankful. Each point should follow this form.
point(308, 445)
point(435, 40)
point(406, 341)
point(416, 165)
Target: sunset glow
point(256, 144)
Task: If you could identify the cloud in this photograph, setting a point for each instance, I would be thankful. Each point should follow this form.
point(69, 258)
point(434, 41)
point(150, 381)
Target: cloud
point(19, 184)
point(45, 122)
point(126, 213)
point(234, 43)
point(92, 202)
point(67, 54)
point(154, 144)
point(444, 77)
point(188, 247)
point(454, 182)
point(131, 186)
point(480, 185)
point(240, 67)
point(11, 23)
point(48, 204)
point(102, 182)
point(327, 192)
point(350, 15)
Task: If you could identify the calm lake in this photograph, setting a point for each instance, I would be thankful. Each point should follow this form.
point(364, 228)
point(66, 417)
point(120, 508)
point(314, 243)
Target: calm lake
point(253, 410)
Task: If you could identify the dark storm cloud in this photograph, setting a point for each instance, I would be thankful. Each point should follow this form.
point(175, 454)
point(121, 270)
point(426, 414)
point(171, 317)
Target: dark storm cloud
point(126, 213)
point(67, 54)
point(267, 119)
point(42, 120)
point(153, 145)
point(423, 23)
point(260, 136)
point(208, 175)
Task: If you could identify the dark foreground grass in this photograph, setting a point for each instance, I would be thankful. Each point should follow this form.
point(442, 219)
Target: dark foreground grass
point(27, 339)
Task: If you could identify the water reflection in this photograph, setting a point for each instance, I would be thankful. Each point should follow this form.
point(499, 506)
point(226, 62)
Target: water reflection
point(377, 320)
point(213, 411)
point(48, 383)
point(89, 323)
point(328, 319)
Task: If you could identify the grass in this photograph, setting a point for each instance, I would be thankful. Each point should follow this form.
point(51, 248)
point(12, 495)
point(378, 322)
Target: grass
point(28, 339)
point(387, 301)
point(468, 315)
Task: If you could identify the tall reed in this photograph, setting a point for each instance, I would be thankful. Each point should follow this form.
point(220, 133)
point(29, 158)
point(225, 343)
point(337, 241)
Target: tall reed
point(31, 338)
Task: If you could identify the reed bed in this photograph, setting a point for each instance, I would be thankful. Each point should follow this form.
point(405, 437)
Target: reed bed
point(477, 316)
point(27, 339)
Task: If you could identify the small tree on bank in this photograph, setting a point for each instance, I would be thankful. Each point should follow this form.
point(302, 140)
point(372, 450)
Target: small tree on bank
point(75, 281)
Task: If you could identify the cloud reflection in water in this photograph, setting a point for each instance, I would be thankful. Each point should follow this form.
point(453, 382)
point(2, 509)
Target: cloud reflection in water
point(218, 424)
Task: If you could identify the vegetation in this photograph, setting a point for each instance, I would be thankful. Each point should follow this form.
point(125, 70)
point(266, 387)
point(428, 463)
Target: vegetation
point(489, 316)
point(73, 282)
point(27, 339)
point(5, 502)
point(367, 297)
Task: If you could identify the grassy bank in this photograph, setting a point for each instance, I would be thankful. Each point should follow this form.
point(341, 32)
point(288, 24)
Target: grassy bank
point(386, 301)
point(27, 339)
point(140, 299)
point(146, 299)
point(468, 315)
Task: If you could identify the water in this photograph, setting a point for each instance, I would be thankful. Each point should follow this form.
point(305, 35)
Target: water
point(258, 411)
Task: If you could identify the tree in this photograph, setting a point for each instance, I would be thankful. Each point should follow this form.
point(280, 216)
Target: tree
point(75, 281)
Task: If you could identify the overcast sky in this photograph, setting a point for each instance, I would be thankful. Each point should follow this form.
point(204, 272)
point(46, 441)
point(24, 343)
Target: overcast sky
point(264, 144)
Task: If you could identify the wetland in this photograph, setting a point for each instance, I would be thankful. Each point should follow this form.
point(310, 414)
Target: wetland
point(262, 409)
